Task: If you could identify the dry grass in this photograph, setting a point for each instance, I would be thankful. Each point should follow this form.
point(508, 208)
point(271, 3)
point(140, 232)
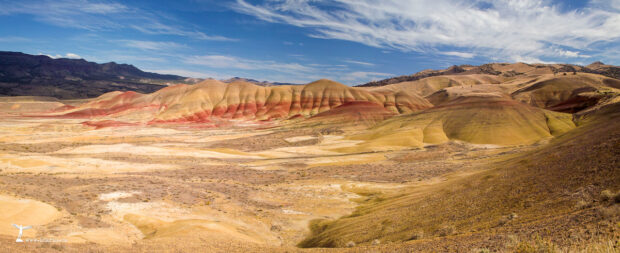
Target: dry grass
point(542, 187)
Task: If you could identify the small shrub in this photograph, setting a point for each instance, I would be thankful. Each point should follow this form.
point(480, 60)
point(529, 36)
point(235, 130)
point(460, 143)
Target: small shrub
point(582, 204)
point(607, 195)
point(538, 246)
point(417, 235)
point(376, 242)
point(57, 247)
point(350, 244)
point(446, 230)
point(609, 212)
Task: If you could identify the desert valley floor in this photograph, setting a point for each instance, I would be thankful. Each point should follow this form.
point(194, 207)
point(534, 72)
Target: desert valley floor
point(473, 163)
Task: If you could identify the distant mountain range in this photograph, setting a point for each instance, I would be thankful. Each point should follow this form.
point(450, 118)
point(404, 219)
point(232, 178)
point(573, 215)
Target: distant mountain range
point(39, 75)
point(496, 69)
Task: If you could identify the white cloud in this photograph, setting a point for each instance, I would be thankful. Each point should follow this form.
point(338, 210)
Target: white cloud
point(529, 59)
point(78, 13)
point(362, 76)
point(13, 39)
point(97, 15)
point(68, 55)
point(570, 54)
point(159, 28)
point(150, 45)
point(73, 56)
point(502, 29)
point(231, 62)
point(459, 54)
point(359, 62)
point(189, 73)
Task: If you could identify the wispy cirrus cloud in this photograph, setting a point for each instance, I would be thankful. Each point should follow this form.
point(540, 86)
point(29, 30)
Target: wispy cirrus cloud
point(502, 29)
point(76, 14)
point(159, 28)
point(13, 39)
point(150, 45)
point(359, 62)
point(458, 54)
point(189, 73)
point(361, 75)
point(96, 16)
point(232, 62)
point(282, 71)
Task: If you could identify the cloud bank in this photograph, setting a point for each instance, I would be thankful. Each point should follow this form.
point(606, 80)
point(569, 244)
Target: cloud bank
point(500, 30)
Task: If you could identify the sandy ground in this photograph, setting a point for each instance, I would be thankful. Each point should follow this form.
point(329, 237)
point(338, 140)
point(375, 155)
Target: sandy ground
point(127, 185)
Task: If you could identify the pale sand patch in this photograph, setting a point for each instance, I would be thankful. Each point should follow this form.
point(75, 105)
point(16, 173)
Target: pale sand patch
point(162, 210)
point(163, 219)
point(116, 195)
point(227, 136)
point(153, 151)
point(103, 236)
point(26, 212)
point(300, 138)
point(287, 211)
point(50, 164)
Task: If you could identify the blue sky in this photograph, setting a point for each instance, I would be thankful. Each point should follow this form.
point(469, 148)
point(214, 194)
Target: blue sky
point(351, 41)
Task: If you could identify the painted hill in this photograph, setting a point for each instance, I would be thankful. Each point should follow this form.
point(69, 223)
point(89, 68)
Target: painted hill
point(480, 107)
point(536, 86)
point(38, 75)
point(490, 118)
point(215, 100)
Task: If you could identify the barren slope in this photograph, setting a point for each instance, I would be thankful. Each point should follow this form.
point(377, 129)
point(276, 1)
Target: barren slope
point(553, 191)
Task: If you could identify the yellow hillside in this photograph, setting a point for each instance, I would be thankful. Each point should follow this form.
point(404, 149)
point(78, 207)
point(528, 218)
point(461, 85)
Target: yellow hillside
point(474, 118)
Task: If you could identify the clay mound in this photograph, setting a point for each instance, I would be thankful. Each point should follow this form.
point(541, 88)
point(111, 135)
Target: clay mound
point(428, 86)
point(570, 93)
point(478, 119)
point(357, 113)
point(457, 93)
point(213, 100)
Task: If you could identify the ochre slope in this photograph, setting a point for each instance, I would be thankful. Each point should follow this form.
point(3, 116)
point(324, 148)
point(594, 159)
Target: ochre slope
point(352, 115)
point(554, 192)
point(570, 93)
point(479, 118)
point(213, 99)
point(555, 87)
point(429, 85)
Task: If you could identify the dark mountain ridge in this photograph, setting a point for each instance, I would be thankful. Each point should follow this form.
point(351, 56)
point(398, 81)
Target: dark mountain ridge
point(39, 75)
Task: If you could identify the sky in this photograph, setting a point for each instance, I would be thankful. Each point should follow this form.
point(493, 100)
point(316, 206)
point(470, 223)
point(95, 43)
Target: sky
point(298, 41)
